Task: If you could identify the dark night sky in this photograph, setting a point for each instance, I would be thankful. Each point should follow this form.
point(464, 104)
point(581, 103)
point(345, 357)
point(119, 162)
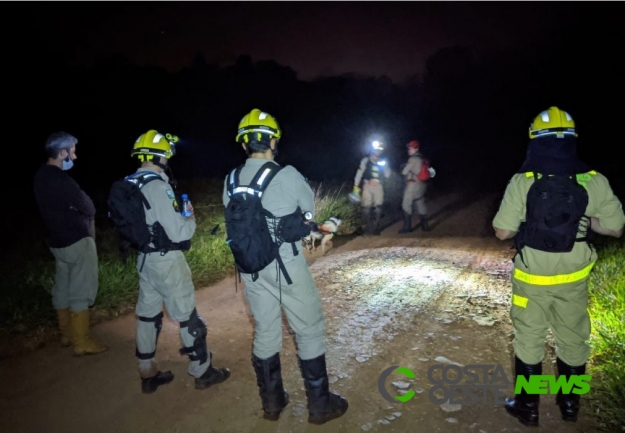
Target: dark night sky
point(395, 39)
point(313, 38)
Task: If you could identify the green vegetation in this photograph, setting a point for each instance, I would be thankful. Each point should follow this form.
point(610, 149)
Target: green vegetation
point(607, 310)
point(29, 272)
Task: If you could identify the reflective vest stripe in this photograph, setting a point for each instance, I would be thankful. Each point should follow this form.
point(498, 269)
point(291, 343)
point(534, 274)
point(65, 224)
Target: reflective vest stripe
point(543, 280)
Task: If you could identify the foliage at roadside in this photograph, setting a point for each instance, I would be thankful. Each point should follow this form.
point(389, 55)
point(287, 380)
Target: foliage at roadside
point(29, 272)
point(607, 311)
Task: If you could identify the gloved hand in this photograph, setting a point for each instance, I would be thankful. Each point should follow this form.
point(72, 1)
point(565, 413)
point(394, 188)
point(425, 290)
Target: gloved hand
point(356, 190)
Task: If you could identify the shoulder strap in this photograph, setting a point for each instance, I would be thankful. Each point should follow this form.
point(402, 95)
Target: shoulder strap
point(258, 184)
point(233, 180)
point(142, 178)
point(264, 176)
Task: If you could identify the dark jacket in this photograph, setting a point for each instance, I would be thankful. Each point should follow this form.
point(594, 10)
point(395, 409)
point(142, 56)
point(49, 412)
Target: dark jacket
point(66, 210)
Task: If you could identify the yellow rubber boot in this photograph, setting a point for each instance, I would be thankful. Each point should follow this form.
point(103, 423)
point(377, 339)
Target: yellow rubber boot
point(83, 345)
point(65, 327)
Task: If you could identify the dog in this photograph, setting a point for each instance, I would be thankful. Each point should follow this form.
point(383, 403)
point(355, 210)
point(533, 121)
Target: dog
point(323, 232)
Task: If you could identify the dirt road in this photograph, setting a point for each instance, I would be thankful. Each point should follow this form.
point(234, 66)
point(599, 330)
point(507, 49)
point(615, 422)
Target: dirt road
point(413, 300)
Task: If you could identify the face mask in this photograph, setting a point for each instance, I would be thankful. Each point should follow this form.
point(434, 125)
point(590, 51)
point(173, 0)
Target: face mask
point(68, 163)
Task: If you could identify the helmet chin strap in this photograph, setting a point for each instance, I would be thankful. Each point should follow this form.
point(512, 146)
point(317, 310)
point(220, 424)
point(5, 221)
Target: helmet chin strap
point(173, 182)
point(167, 169)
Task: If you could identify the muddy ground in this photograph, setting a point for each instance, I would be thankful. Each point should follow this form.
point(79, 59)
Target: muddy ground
point(413, 300)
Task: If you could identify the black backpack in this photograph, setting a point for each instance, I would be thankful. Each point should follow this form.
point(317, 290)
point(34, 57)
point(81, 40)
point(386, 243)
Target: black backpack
point(555, 206)
point(249, 237)
point(126, 205)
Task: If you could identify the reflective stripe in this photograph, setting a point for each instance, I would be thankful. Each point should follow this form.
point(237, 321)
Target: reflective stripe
point(519, 301)
point(542, 280)
point(247, 190)
point(261, 179)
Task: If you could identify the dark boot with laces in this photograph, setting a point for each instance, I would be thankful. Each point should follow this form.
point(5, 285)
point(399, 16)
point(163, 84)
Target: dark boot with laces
point(151, 384)
point(212, 376)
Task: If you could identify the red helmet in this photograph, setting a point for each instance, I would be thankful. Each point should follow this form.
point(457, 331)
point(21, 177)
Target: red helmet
point(414, 144)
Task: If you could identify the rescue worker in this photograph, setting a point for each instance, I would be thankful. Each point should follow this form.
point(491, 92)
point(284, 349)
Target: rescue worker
point(69, 216)
point(165, 277)
point(370, 172)
point(258, 134)
point(549, 289)
point(414, 191)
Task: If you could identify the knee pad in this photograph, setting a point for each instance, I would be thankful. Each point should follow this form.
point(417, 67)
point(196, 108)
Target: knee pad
point(198, 329)
point(158, 324)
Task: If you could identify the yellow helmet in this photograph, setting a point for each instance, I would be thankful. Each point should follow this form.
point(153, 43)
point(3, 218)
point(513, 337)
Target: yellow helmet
point(552, 121)
point(258, 123)
point(153, 143)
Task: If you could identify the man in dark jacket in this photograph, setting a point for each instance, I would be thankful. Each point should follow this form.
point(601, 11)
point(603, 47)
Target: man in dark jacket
point(69, 215)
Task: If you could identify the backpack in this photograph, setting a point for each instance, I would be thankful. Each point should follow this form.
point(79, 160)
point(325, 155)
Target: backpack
point(249, 238)
point(126, 205)
point(424, 174)
point(555, 206)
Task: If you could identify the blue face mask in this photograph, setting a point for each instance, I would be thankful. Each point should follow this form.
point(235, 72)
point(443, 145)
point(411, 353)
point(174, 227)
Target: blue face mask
point(68, 163)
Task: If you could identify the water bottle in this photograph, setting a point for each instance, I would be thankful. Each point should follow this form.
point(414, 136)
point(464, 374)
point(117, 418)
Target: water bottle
point(186, 206)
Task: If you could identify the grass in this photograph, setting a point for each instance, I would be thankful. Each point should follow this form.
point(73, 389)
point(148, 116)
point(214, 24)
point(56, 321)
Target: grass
point(29, 272)
point(607, 311)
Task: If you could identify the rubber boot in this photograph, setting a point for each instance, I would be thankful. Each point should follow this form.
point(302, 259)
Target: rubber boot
point(569, 403)
point(65, 326)
point(377, 216)
point(270, 386)
point(212, 376)
point(524, 406)
point(407, 227)
point(323, 405)
point(151, 384)
point(83, 345)
point(366, 217)
point(424, 223)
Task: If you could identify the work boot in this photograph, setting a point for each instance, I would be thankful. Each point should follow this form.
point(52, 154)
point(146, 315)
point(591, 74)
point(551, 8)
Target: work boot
point(270, 386)
point(568, 403)
point(524, 406)
point(151, 384)
point(83, 345)
point(65, 326)
point(323, 405)
point(366, 217)
point(377, 216)
point(424, 223)
point(212, 376)
point(407, 227)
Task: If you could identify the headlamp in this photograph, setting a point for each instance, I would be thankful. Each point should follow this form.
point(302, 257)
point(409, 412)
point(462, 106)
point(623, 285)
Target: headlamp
point(173, 139)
